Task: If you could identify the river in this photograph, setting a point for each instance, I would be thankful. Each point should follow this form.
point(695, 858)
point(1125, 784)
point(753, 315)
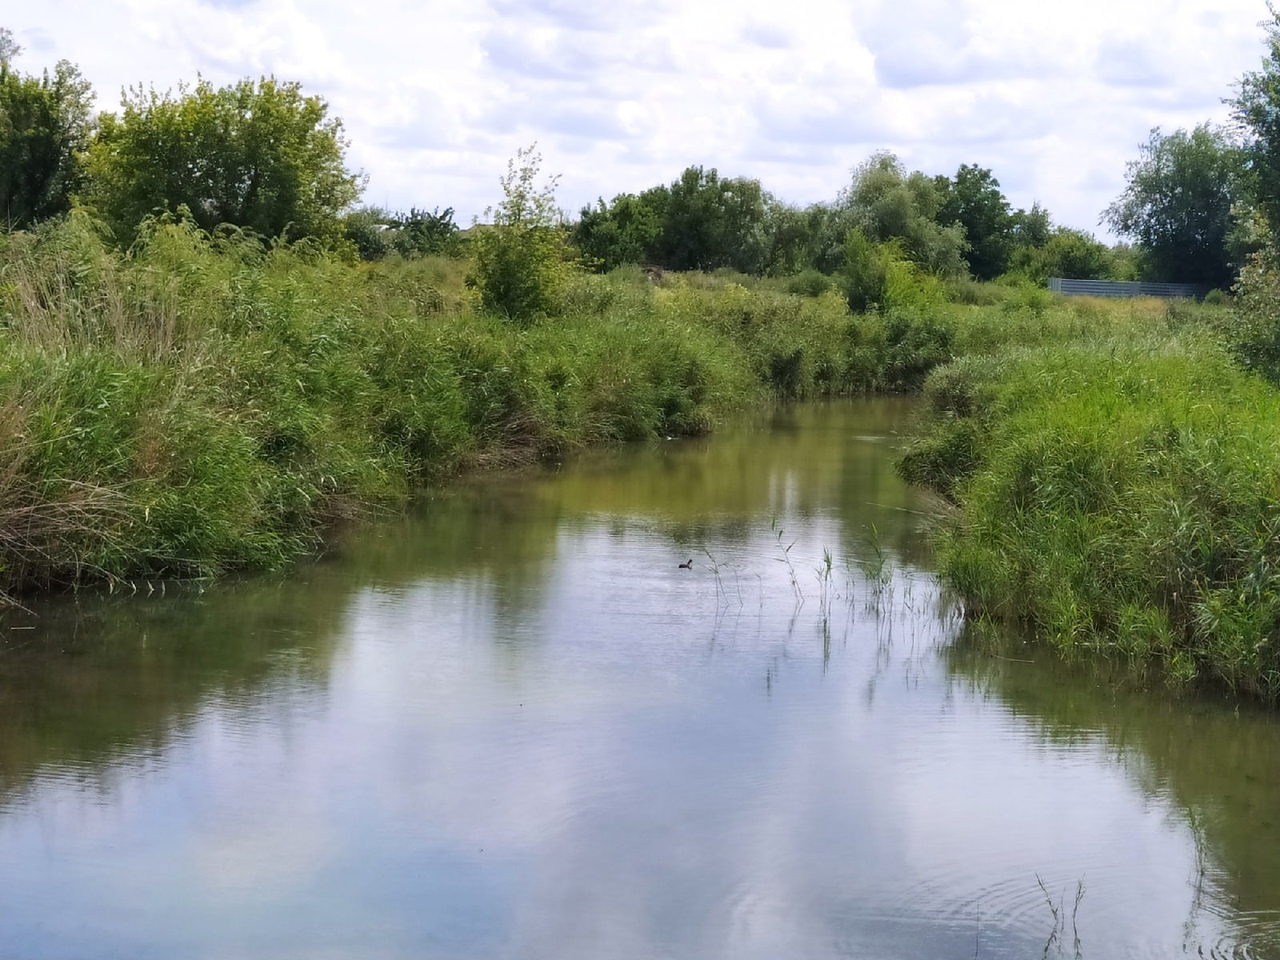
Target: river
point(512, 725)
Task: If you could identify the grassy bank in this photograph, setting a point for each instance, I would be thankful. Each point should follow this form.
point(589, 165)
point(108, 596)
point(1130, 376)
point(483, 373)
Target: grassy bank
point(1119, 494)
point(201, 404)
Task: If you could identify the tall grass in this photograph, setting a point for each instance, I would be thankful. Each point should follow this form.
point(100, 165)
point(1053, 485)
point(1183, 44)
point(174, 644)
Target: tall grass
point(1122, 496)
point(203, 403)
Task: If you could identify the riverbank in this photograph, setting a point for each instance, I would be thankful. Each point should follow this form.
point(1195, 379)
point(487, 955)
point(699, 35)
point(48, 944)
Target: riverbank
point(200, 404)
point(1119, 495)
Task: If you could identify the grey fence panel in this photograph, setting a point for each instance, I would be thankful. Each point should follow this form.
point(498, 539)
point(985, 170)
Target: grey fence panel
point(1126, 288)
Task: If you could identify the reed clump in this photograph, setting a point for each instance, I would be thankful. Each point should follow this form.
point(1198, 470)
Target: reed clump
point(1121, 496)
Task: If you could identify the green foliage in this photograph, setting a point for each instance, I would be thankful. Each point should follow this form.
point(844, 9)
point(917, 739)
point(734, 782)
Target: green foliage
point(972, 293)
point(522, 260)
point(973, 199)
point(908, 287)
point(376, 232)
point(1253, 333)
point(9, 47)
point(876, 275)
point(44, 127)
point(1178, 204)
point(624, 231)
point(1128, 262)
point(886, 203)
point(1121, 499)
point(705, 222)
point(709, 222)
point(792, 236)
point(422, 234)
point(865, 275)
point(262, 156)
point(809, 283)
point(1032, 228)
point(368, 228)
point(915, 342)
point(1256, 109)
point(201, 403)
point(1070, 254)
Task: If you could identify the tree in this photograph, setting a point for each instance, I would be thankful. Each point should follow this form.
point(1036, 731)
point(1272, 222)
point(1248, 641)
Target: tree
point(368, 229)
point(1032, 228)
point(973, 199)
point(1070, 254)
point(44, 127)
point(886, 203)
point(623, 231)
point(709, 222)
point(522, 258)
point(9, 48)
point(261, 156)
point(865, 274)
point(1256, 108)
point(419, 233)
point(1178, 205)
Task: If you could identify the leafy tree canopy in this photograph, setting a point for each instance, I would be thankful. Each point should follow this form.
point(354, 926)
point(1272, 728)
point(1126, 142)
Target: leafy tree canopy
point(973, 199)
point(1070, 254)
point(710, 222)
point(44, 128)
point(420, 233)
point(263, 156)
point(1178, 205)
point(1256, 108)
point(886, 203)
point(9, 48)
point(1032, 228)
point(625, 230)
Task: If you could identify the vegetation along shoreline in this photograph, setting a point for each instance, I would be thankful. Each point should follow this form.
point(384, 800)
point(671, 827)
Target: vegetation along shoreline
point(211, 353)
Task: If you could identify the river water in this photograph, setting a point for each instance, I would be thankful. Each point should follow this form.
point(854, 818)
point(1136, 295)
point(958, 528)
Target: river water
point(510, 725)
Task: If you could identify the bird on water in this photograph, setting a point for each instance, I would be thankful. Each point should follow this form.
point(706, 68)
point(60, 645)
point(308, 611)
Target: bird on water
point(687, 566)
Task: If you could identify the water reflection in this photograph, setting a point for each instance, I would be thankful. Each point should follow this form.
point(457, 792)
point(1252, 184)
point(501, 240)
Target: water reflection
point(511, 726)
point(1214, 765)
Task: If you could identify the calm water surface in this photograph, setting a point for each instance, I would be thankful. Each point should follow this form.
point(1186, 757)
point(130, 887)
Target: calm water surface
point(510, 726)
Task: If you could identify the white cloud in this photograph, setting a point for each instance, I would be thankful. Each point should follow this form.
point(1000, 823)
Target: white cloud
point(437, 95)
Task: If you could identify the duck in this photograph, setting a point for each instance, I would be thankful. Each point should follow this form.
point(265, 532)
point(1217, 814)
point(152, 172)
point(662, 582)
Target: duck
point(687, 566)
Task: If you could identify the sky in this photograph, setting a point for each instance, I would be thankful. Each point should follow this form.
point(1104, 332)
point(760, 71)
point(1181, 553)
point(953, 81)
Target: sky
point(436, 96)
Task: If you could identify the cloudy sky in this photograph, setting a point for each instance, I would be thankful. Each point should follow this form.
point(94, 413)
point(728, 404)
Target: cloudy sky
point(436, 95)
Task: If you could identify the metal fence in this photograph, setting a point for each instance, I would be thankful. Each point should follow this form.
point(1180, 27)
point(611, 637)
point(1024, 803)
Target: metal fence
point(1126, 288)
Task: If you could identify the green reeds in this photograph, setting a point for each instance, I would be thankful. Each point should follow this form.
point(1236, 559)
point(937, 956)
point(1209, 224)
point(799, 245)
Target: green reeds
point(205, 403)
point(1122, 497)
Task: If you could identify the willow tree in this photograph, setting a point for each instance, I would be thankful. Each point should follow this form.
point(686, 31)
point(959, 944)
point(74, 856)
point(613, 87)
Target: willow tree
point(262, 156)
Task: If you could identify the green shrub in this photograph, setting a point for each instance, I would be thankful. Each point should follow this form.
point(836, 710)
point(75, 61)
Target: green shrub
point(1121, 498)
point(522, 261)
point(1253, 332)
point(202, 403)
point(808, 283)
point(865, 274)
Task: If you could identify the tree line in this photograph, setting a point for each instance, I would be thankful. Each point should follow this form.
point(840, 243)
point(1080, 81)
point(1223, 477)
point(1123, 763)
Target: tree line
point(266, 158)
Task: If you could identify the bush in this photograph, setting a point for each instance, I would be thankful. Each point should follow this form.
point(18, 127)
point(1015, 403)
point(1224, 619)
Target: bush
point(1121, 500)
point(808, 283)
point(522, 261)
point(1253, 335)
point(865, 274)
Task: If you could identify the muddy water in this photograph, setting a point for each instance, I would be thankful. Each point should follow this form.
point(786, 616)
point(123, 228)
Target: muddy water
point(511, 725)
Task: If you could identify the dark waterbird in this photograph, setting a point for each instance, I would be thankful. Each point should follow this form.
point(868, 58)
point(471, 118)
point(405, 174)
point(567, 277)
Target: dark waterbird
point(687, 566)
